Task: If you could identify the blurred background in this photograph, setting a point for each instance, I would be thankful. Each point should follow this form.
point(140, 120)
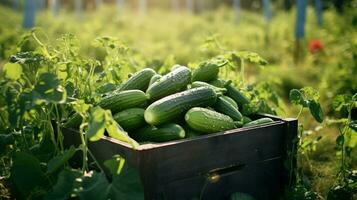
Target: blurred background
point(306, 43)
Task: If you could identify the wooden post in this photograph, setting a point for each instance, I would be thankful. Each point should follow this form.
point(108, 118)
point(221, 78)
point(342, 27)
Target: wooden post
point(15, 4)
point(267, 10)
point(120, 6)
point(55, 4)
point(98, 3)
point(78, 7)
point(236, 5)
point(299, 27)
point(40, 4)
point(29, 14)
point(174, 5)
point(189, 6)
point(142, 7)
point(318, 12)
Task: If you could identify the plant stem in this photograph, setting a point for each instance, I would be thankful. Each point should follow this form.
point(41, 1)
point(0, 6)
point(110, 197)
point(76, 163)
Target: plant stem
point(242, 71)
point(84, 146)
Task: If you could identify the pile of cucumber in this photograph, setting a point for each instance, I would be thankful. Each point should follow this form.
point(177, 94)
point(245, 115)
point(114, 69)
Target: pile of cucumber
point(179, 104)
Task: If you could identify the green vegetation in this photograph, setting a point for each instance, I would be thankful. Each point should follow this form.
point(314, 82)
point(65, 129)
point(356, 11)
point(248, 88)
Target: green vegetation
point(67, 67)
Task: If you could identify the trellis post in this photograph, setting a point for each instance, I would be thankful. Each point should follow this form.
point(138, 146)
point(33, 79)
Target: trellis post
point(29, 14)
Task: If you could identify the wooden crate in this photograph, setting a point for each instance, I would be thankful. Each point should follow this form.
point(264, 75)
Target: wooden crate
point(248, 160)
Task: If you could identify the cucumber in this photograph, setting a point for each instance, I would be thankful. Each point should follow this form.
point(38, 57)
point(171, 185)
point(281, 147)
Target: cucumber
point(130, 119)
point(154, 78)
point(231, 101)
point(225, 107)
point(232, 92)
point(162, 133)
point(204, 84)
point(238, 96)
point(139, 80)
point(74, 121)
point(122, 100)
point(174, 106)
point(170, 83)
point(207, 70)
point(246, 120)
point(175, 67)
point(258, 122)
point(208, 121)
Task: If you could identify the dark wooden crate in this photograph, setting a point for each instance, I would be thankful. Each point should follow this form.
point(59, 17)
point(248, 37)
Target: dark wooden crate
point(248, 160)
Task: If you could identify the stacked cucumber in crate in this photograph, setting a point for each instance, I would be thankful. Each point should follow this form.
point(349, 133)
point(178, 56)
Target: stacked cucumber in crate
point(180, 104)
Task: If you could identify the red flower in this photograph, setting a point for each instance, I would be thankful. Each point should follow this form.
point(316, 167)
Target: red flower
point(315, 45)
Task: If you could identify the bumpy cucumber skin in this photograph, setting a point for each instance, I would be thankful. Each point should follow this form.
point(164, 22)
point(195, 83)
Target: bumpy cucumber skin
point(139, 80)
point(174, 106)
point(162, 133)
point(227, 108)
point(246, 120)
point(260, 121)
point(170, 83)
point(154, 78)
point(131, 119)
point(204, 84)
point(122, 100)
point(232, 92)
point(208, 121)
point(231, 101)
point(206, 71)
point(238, 97)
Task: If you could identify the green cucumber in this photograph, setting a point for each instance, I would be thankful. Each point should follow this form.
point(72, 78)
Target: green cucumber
point(130, 119)
point(225, 107)
point(204, 84)
point(232, 92)
point(162, 133)
point(207, 70)
point(173, 107)
point(231, 101)
point(260, 121)
point(170, 83)
point(154, 78)
point(246, 120)
point(208, 121)
point(139, 80)
point(122, 100)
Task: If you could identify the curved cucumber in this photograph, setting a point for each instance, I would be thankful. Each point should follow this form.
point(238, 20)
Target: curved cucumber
point(130, 119)
point(225, 107)
point(139, 80)
point(119, 101)
point(162, 133)
point(232, 92)
point(204, 84)
point(208, 121)
point(154, 78)
point(170, 83)
point(207, 70)
point(231, 101)
point(174, 106)
point(260, 121)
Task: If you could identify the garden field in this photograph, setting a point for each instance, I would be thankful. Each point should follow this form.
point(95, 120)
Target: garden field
point(68, 64)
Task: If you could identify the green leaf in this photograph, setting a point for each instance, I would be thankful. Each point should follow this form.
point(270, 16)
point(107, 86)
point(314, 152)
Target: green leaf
point(353, 125)
point(26, 174)
point(295, 97)
point(339, 141)
point(251, 57)
point(127, 185)
point(94, 185)
point(341, 101)
point(12, 70)
point(116, 131)
point(115, 164)
point(58, 161)
point(48, 90)
point(64, 185)
point(316, 111)
point(96, 126)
